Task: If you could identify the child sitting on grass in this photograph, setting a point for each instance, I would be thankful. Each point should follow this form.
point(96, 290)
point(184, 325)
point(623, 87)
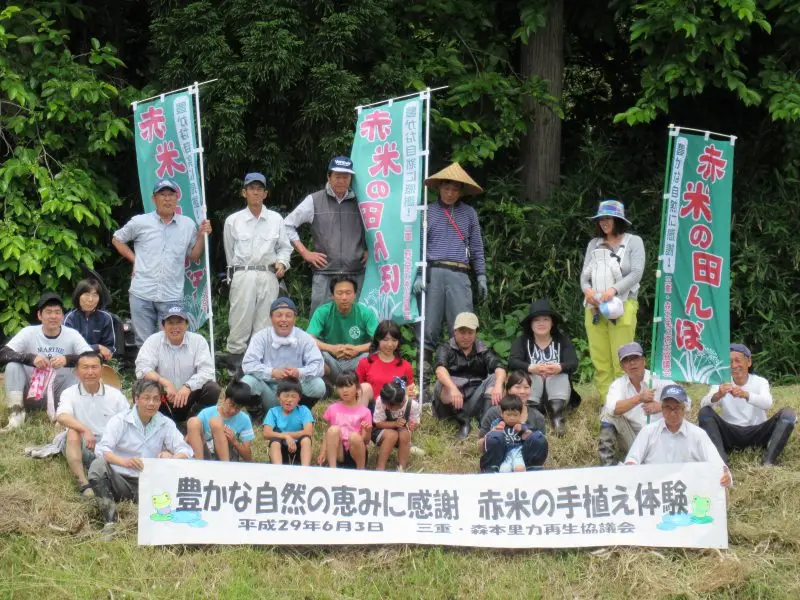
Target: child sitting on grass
point(396, 417)
point(223, 432)
point(514, 430)
point(289, 426)
point(349, 427)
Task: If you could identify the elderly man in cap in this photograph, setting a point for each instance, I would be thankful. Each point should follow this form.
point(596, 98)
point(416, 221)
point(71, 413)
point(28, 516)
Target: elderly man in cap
point(282, 351)
point(38, 361)
point(744, 404)
point(162, 240)
point(258, 252)
point(130, 436)
point(673, 439)
point(454, 250)
point(468, 376)
point(633, 401)
point(180, 362)
point(336, 228)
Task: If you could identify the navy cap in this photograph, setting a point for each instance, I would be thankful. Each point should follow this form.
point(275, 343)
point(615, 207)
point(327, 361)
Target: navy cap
point(165, 184)
point(283, 302)
point(341, 164)
point(49, 299)
point(175, 311)
point(253, 178)
point(741, 348)
point(675, 392)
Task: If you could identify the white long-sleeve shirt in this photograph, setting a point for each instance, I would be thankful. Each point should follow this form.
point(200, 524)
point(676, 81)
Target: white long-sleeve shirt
point(656, 444)
point(189, 364)
point(738, 411)
point(267, 350)
point(622, 389)
point(127, 437)
point(254, 241)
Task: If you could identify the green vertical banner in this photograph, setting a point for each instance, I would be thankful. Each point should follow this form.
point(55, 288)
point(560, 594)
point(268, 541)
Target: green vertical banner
point(388, 184)
point(692, 328)
point(166, 148)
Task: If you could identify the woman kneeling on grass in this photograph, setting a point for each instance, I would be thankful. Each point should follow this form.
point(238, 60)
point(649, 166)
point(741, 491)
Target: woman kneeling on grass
point(349, 427)
point(396, 417)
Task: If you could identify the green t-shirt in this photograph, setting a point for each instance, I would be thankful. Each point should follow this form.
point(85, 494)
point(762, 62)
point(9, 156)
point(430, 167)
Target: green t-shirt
point(332, 327)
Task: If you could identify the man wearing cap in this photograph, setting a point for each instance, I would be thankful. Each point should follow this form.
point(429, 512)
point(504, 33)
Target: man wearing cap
point(336, 228)
point(38, 361)
point(258, 254)
point(468, 376)
point(343, 327)
point(454, 249)
point(85, 410)
point(180, 362)
point(674, 440)
point(633, 401)
point(162, 239)
point(283, 351)
point(744, 404)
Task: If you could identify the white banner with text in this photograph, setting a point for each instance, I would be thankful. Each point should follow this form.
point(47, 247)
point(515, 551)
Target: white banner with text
point(204, 502)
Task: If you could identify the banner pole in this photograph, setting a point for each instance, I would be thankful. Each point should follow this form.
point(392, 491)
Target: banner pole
point(657, 317)
point(423, 258)
point(195, 90)
point(183, 89)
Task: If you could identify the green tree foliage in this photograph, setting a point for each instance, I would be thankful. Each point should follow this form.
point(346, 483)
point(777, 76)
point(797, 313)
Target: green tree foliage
point(747, 47)
point(59, 123)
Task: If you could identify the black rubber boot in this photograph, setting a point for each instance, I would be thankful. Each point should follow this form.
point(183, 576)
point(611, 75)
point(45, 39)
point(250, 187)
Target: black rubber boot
point(607, 445)
point(557, 416)
point(105, 499)
point(780, 435)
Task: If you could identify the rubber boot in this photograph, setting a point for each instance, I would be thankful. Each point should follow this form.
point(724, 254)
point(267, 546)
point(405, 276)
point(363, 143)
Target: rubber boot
point(607, 445)
point(105, 499)
point(16, 412)
point(780, 435)
point(557, 416)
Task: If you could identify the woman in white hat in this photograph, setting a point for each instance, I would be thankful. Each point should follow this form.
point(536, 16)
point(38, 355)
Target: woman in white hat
point(609, 331)
point(454, 250)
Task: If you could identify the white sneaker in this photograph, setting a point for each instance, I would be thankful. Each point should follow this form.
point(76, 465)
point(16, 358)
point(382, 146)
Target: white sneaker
point(108, 532)
point(400, 469)
point(417, 451)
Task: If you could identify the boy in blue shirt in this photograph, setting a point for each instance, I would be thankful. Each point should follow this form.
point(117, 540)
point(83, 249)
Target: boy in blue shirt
point(289, 426)
point(224, 432)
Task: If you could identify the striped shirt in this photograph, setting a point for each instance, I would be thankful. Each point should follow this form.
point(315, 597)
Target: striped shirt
point(444, 243)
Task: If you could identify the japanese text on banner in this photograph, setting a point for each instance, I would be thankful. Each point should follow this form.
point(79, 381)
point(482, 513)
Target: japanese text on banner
point(388, 183)
point(166, 149)
point(186, 502)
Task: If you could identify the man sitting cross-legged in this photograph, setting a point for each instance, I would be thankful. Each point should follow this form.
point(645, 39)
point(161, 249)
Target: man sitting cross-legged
point(85, 410)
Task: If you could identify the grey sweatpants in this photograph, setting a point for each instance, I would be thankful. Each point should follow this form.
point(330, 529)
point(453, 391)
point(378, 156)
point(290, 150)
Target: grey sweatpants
point(110, 487)
point(447, 294)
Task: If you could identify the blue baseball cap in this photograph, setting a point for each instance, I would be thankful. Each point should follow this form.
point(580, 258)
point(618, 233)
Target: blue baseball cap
point(341, 164)
point(283, 302)
point(611, 208)
point(253, 178)
point(675, 392)
point(165, 184)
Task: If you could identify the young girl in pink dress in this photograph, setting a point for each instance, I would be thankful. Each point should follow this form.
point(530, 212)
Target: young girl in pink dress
point(349, 427)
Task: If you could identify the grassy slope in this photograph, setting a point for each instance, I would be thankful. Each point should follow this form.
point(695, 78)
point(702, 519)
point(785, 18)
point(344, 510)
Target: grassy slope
point(49, 543)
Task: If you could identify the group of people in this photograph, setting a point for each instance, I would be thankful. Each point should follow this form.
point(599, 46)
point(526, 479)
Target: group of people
point(180, 411)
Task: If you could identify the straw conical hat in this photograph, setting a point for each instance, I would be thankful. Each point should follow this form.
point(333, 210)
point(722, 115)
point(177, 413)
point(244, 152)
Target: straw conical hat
point(454, 173)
